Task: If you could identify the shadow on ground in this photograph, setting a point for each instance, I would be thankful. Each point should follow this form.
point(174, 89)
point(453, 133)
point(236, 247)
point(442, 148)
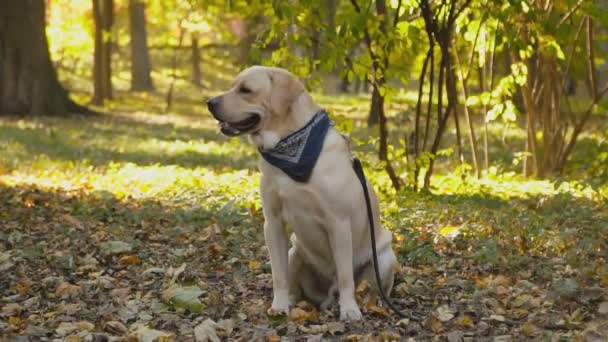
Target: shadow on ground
point(106, 138)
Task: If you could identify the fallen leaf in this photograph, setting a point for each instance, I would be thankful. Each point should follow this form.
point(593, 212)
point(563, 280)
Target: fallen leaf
point(254, 265)
point(373, 307)
point(497, 318)
point(465, 321)
point(300, 315)
point(455, 336)
point(115, 327)
point(73, 221)
point(521, 300)
point(66, 328)
point(444, 313)
point(67, 290)
point(206, 331)
point(564, 289)
point(519, 313)
point(115, 247)
point(602, 309)
point(528, 329)
point(144, 334)
point(227, 325)
point(174, 273)
point(11, 309)
point(331, 327)
point(184, 297)
point(129, 260)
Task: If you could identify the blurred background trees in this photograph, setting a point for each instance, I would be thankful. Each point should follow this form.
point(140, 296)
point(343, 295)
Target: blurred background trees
point(471, 69)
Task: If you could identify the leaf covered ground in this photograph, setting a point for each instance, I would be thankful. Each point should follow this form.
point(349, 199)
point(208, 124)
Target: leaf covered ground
point(147, 227)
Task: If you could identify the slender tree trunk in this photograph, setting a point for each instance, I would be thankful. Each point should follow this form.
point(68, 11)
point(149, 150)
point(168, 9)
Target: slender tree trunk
point(140, 56)
point(169, 98)
point(98, 95)
point(379, 67)
point(472, 136)
point(108, 21)
point(196, 60)
point(28, 81)
point(103, 14)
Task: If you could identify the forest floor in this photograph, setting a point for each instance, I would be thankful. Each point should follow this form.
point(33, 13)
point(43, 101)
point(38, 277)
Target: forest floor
point(141, 226)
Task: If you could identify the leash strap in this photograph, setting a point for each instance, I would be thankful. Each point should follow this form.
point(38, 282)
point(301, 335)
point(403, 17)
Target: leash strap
point(361, 175)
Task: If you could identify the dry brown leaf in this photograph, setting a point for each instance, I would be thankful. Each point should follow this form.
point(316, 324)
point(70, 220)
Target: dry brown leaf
point(434, 324)
point(300, 316)
point(24, 286)
point(373, 307)
point(67, 290)
point(11, 309)
point(129, 260)
point(73, 221)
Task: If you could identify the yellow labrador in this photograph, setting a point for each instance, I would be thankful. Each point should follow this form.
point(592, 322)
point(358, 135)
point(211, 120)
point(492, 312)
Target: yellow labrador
point(325, 212)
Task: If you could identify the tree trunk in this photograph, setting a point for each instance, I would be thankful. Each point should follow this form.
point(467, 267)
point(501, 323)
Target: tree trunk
point(196, 60)
point(103, 14)
point(140, 57)
point(169, 97)
point(28, 81)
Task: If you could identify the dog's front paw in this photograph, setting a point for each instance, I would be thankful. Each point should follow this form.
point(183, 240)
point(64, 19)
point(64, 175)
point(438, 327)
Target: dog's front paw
point(280, 306)
point(278, 311)
point(350, 313)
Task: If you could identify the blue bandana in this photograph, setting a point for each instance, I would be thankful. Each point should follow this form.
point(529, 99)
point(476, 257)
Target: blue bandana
point(297, 153)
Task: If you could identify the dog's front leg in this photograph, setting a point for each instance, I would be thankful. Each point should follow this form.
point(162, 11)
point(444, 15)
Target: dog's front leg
point(277, 243)
point(340, 236)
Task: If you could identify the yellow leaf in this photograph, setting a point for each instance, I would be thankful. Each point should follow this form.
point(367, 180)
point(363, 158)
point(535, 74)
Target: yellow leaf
point(604, 280)
point(254, 265)
point(434, 324)
point(449, 231)
point(14, 320)
point(440, 282)
point(274, 338)
point(519, 313)
point(465, 321)
point(521, 300)
point(528, 329)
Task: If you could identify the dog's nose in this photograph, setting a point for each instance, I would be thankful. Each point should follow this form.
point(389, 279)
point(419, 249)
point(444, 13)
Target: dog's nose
point(213, 103)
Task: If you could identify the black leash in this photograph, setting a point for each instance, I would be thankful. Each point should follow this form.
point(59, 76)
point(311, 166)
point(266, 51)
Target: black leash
point(361, 175)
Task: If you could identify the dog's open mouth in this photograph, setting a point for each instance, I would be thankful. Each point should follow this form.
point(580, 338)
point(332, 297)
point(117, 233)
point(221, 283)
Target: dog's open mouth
point(232, 129)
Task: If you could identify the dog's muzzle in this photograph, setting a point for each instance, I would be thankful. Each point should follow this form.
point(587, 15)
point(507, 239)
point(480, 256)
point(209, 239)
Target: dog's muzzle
point(228, 128)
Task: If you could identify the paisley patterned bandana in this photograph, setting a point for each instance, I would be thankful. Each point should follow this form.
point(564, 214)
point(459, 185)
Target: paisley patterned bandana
point(297, 153)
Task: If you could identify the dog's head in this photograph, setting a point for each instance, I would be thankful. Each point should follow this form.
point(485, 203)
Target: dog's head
point(261, 98)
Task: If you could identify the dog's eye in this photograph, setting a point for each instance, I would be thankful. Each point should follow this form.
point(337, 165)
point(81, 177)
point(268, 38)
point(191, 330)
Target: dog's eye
point(244, 90)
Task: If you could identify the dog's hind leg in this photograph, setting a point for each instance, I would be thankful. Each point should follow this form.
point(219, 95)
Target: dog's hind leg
point(387, 262)
point(295, 269)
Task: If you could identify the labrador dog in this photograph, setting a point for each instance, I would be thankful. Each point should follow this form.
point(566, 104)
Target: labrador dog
point(325, 215)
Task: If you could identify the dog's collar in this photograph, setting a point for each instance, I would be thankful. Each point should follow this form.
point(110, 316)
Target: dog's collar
point(297, 153)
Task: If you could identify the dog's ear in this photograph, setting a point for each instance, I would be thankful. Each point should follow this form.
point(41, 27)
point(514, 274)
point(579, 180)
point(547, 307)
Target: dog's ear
point(285, 90)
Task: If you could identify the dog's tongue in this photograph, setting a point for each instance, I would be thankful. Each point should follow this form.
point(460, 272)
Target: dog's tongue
point(229, 130)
